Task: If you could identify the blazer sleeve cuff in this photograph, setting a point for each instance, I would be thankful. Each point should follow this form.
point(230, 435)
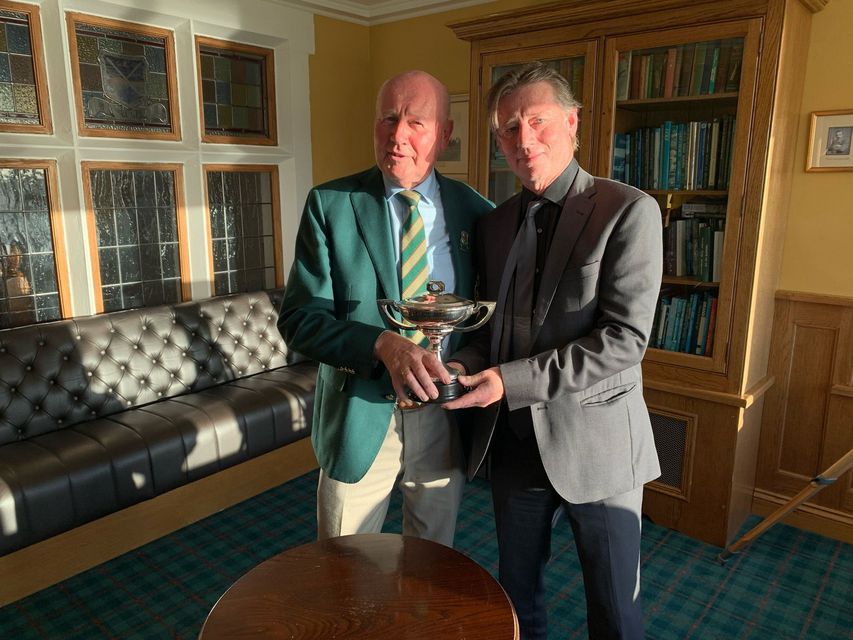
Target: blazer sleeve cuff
point(518, 387)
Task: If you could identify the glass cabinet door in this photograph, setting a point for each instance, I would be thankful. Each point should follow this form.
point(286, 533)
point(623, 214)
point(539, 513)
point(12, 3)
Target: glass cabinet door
point(574, 62)
point(675, 127)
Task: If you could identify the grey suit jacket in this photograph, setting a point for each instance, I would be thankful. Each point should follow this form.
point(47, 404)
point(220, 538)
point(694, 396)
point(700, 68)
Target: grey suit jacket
point(582, 382)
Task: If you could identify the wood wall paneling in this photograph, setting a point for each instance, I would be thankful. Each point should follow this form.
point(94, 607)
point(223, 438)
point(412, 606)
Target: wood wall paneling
point(808, 417)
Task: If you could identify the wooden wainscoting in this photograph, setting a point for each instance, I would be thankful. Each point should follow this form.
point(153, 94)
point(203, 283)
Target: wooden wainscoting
point(808, 414)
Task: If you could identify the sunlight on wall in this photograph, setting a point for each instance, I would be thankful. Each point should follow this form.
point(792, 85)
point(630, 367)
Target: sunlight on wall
point(820, 219)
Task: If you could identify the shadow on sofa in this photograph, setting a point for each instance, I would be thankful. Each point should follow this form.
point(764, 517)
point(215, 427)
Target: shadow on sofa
point(101, 413)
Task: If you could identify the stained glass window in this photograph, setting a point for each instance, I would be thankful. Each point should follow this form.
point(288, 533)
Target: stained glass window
point(23, 96)
point(124, 78)
point(236, 83)
point(136, 225)
point(29, 286)
point(243, 208)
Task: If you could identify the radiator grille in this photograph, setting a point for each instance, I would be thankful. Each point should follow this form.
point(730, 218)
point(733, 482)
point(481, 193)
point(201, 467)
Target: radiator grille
point(671, 442)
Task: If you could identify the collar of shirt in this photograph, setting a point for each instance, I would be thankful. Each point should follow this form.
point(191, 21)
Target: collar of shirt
point(428, 190)
point(557, 191)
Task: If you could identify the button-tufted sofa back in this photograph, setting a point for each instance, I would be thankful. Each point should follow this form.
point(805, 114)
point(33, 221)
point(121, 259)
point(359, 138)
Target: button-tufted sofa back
point(62, 373)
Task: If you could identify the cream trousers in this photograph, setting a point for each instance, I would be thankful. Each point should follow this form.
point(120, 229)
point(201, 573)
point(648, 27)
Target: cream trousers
point(422, 455)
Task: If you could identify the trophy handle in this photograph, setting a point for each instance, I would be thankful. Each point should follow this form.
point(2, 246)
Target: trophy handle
point(488, 307)
point(383, 308)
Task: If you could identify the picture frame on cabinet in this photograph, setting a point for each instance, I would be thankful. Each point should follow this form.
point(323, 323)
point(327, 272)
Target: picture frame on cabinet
point(454, 159)
point(830, 145)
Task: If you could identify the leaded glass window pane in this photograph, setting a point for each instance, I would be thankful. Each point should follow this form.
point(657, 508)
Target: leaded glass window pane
point(241, 222)
point(29, 290)
point(123, 79)
point(137, 243)
point(18, 86)
point(235, 92)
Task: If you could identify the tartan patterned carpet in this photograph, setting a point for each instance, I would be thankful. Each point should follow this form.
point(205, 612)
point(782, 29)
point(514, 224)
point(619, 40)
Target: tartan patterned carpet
point(787, 585)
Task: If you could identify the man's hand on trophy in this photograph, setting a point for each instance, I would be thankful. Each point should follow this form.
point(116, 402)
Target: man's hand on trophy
point(412, 368)
point(487, 387)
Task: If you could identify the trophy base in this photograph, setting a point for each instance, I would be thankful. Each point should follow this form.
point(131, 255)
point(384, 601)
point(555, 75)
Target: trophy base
point(446, 393)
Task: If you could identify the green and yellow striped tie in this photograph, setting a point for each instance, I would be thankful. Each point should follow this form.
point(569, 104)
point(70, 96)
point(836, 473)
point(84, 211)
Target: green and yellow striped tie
point(414, 268)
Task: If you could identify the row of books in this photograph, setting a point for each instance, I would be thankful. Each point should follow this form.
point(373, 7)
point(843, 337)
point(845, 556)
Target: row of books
point(685, 323)
point(693, 69)
point(676, 155)
point(693, 247)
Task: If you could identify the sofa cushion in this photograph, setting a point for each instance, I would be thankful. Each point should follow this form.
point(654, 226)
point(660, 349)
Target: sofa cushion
point(59, 374)
point(58, 480)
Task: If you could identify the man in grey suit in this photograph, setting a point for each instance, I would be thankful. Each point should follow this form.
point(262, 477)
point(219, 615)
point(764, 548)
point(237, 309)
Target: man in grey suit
point(574, 262)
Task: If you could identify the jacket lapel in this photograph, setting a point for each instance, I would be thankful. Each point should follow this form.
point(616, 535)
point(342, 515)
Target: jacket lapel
point(371, 214)
point(500, 244)
point(460, 237)
point(573, 218)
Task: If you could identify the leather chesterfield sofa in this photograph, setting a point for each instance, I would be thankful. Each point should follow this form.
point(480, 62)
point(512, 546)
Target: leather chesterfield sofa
point(103, 414)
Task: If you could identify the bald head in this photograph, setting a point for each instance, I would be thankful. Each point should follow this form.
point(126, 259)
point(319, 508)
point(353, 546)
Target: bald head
point(412, 126)
point(423, 80)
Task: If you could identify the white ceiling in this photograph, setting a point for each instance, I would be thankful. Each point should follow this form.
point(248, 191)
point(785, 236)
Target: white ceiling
point(370, 12)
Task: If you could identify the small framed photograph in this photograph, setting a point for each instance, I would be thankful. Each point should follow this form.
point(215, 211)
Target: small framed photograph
point(830, 141)
point(454, 159)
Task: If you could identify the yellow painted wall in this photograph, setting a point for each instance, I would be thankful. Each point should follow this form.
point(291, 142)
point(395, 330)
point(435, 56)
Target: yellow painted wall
point(341, 99)
point(818, 255)
point(352, 61)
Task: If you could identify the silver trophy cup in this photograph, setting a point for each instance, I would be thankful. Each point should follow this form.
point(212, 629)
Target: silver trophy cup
point(436, 314)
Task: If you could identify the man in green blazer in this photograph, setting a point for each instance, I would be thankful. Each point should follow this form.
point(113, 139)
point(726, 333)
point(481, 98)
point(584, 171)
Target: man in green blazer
point(367, 434)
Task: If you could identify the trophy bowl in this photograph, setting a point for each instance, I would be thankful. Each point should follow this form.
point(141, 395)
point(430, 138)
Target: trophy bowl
point(436, 314)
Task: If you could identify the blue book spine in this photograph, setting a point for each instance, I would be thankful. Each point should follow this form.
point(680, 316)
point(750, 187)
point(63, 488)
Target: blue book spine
point(703, 326)
point(673, 330)
point(689, 345)
point(665, 144)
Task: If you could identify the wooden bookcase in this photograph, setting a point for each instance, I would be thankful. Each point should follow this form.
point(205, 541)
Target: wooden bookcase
point(741, 68)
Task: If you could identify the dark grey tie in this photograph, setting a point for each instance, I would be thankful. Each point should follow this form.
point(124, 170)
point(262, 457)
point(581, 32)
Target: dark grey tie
point(525, 273)
point(524, 251)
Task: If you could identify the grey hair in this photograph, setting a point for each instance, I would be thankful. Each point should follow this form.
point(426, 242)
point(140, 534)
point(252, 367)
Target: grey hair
point(530, 73)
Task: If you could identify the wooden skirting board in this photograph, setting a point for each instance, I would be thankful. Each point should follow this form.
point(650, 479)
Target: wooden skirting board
point(45, 563)
point(826, 522)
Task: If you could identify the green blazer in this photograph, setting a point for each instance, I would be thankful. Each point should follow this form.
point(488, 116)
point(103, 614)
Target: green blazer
point(344, 262)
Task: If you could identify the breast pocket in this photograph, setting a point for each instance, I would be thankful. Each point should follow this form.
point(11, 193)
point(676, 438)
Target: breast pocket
point(578, 286)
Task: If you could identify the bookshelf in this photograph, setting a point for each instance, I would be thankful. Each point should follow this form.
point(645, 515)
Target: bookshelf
point(672, 104)
point(677, 111)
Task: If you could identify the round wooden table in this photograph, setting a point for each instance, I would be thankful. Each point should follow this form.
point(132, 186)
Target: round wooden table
point(379, 586)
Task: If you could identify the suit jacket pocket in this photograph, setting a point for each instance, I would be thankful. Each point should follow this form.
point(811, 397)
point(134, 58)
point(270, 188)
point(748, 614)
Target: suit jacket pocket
point(578, 286)
point(609, 396)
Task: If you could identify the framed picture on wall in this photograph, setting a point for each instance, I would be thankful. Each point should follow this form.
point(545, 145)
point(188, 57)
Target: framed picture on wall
point(124, 78)
point(454, 159)
point(830, 141)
